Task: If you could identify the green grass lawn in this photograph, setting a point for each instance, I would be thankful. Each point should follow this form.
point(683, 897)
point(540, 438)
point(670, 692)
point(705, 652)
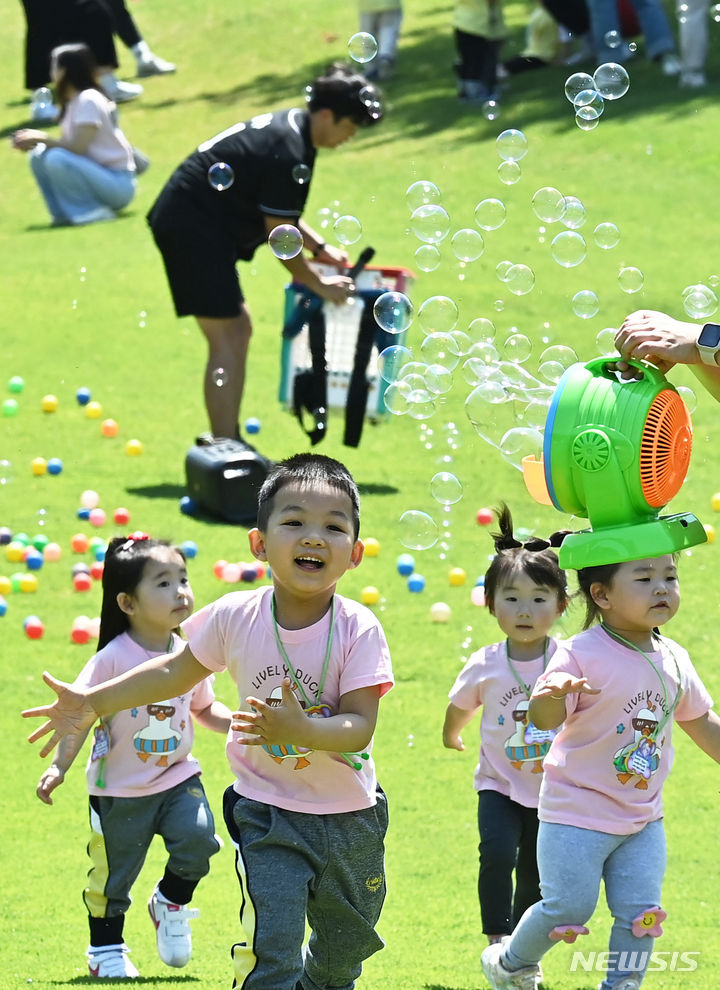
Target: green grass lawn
point(90, 307)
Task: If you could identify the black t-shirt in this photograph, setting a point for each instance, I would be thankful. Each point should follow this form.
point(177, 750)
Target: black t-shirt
point(271, 157)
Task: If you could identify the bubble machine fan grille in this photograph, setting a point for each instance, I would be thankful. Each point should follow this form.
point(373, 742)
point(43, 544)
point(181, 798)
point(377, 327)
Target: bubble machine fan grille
point(665, 448)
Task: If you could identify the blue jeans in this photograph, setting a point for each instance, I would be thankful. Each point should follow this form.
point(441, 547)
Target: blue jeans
point(604, 17)
point(572, 862)
point(77, 189)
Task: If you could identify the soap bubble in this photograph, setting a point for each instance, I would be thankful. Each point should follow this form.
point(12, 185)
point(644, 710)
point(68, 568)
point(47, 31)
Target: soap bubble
point(559, 354)
point(548, 204)
point(427, 258)
point(535, 413)
point(438, 314)
point(551, 371)
point(392, 360)
point(301, 173)
point(467, 244)
point(517, 348)
point(420, 404)
point(502, 269)
point(362, 47)
point(490, 109)
point(569, 248)
point(605, 341)
point(576, 83)
point(611, 80)
point(418, 531)
point(606, 235)
point(520, 442)
point(613, 39)
point(463, 341)
point(589, 98)
point(490, 214)
point(481, 329)
point(445, 488)
point(421, 193)
point(393, 312)
point(587, 118)
point(395, 398)
point(630, 279)
point(574, 215)
point(430, 223)
point(438, 379)
point(285, 241)
point(585, 304)
point(6, 471)
point(520, 280)
point(348, 229)
point(441, 349)
point(512, 145)
point(699, 301)
point(219, 377)
point(220, 176)
point(688, 397)
point(509, 172)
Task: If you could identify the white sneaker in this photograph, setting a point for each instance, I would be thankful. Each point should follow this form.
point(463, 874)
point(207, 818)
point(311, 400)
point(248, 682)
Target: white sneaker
point(693, 80)
point(670, 64)
point(110, 962)
point(118, 91)
point(153, 65)
point(172, 928)
point(501, 978)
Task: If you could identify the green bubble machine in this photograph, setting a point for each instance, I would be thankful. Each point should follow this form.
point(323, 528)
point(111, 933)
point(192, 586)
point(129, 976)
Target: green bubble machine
point(616, 451)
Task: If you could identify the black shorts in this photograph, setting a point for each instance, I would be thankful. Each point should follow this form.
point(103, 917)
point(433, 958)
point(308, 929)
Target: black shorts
point(200, 264)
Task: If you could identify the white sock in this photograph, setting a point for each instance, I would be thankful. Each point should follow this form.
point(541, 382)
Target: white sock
point(141, 51)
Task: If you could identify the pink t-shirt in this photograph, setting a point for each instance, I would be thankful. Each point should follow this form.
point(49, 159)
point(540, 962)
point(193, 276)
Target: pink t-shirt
point(608, 762)
point(236, 633)
point(109, 146)
point(142, 750)
point(511, 748)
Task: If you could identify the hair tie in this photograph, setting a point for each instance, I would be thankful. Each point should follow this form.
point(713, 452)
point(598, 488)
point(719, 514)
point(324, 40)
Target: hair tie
point(133, 539)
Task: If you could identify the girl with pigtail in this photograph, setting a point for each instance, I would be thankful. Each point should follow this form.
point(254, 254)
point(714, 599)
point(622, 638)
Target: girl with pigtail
point(525, 590)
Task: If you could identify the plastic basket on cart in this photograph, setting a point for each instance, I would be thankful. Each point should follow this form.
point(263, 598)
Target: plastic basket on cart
point(342, 324)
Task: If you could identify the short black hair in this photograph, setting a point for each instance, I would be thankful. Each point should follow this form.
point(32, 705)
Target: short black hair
point(310, 470)
point(347, 93)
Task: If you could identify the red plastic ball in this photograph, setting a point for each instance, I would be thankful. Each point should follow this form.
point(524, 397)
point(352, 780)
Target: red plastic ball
point(484, 517)
point(121, 516)
point(82, 582)
point(34, 628)
point(80, 635)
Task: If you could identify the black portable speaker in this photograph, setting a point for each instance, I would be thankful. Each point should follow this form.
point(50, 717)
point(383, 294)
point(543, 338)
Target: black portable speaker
point(224, 477)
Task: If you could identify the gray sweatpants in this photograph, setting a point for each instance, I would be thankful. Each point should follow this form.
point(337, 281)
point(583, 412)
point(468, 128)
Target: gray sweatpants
point(328, 869)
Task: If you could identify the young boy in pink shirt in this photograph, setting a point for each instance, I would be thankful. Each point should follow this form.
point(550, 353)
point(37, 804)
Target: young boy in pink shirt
point(617, 687)
point(305, 811)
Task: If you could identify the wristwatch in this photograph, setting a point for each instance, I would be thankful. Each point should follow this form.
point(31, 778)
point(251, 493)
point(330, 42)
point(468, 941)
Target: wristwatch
point(708, 343)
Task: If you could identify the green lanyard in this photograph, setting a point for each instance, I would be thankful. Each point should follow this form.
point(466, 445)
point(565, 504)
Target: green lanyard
point(517, 676)
point(669, 711)
point(348, 757)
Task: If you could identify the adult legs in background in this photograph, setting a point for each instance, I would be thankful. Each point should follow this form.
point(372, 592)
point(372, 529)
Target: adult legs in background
point(228, 341)
point(384, 26)
point(148, 64)
point(78, 190)
point(693, 28)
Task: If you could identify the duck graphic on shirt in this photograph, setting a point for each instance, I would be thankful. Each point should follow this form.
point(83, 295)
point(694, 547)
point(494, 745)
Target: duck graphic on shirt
point(641, 757)
point(527, 744)
point(157, 738)
point(279, 752)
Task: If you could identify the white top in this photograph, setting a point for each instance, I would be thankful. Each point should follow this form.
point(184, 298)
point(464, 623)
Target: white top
point(109, 146)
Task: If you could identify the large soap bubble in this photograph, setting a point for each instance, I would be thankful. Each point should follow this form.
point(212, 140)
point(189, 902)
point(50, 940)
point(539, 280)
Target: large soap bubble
point(421, 193)
point(440, 349)
point(418, 530)
point(467, 244)
point(392, 360)
point(427, 258)
point(548, 204)
point(606, 235)
point(577, 83)
point(445, 488)
point(586, 304)
point(568, 248)
point(611, 80)
point(520, 442)
point(393, 312)
point(220, 176)
point(430, 223)
point(348, 229)
point(490, 214)
point(285, 241)
point(438, 314)
point(362, 47)
point(512, 145)
point(520, 279)
point(630, 279)
point(699, 301)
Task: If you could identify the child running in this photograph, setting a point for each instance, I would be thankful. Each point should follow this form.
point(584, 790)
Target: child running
point(141, 775)
point(525, 590)
point(305, 810)
point(618, 686)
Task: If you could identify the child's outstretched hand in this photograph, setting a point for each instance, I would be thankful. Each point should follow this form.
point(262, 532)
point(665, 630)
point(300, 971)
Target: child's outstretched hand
point(272, 725)
point(558, 685)
point(51, 779)
point(70, 714)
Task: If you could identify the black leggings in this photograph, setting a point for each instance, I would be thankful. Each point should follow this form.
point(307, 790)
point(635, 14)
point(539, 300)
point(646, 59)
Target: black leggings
point(125, 27)
point(477, 57)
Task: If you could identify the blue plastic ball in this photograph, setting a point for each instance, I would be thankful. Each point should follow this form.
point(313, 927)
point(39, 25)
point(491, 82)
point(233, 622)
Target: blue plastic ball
point(54, 465)
point(189, 548)
point(83, 396)
point(188, 506)
point(405, 564)
point(248, 575)
point(5, 535)
point(252, 425)
point(416, 583)
point(34, 560)
point(3, 606)
point(99, 552)
point(83, 513)
point(480, 582)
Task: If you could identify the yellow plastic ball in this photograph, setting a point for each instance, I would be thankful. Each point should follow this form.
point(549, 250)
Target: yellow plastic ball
point(372, 547)
point(93, 410)
point(15, 552)
point(5, 585)
point(39, 466)
point(49, 403)
point(28, 583)
point(715, 502)
point(457, 577)
point(370, 595)
point(709, 532)
point(133, 448)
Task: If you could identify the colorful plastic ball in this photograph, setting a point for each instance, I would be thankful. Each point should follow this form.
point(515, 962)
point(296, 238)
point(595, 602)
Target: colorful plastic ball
point(188, 506)
point(457, 577)
point(83, 396)
point(52, 551)
point(3, 606)
point(15, 551)
point(16, 384)
point(5, 585)
point(38, 466)
point(372, 547)
point(261, 570)
point(416, 583)
point(93, 410)
point(95, 542)
point(477, 595)
point(100, 552)
point(54, 465)
point(5, 535)
point(121, 516)
point(370, 595)
point(97, 517)
point(34, 629)
point(80, 568)
point(15, 580)
point(484, 517)
point(231, 573)
point(709, 532)
point(10, 407)
point(715, 502)
point(95, 627)
point(248, 573)
point(96, 570)
point(80, 635)
point(133, 448)
point(82, 582)
point(83, 513)
point(34, 560)
point(22, 538)
point(218, 568)
point(405, 564)
point(109, 428)
point(49, 403)
point(252, 425)
point(28, 584)
point(440, 612)
point(189, 548)
point(80, 543)
point(89, 499)
point(40, 541)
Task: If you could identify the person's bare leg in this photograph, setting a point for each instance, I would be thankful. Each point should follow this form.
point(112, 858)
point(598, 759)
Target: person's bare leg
point(228, 341)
